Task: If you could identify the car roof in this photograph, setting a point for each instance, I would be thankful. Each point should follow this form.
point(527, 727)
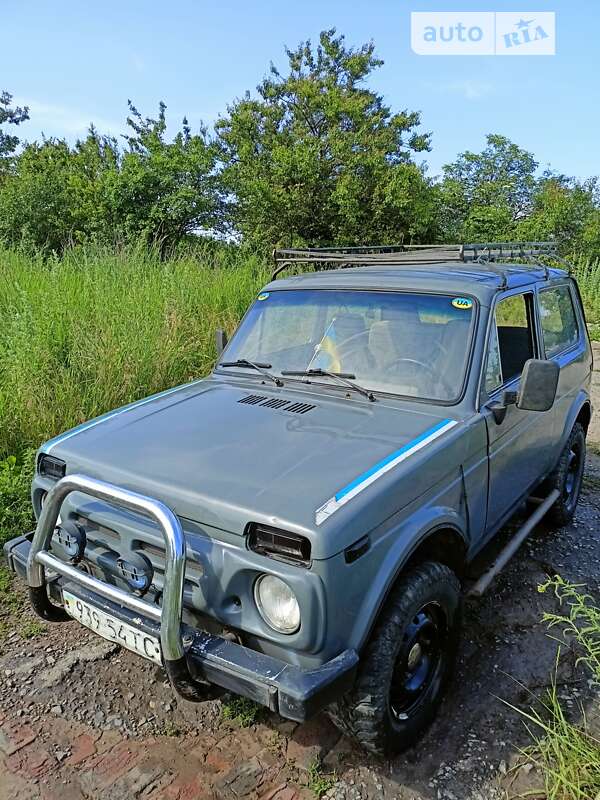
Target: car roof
point(482, 281)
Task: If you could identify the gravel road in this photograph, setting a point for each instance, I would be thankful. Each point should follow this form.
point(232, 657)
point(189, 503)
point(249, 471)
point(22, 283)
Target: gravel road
point(81, 718)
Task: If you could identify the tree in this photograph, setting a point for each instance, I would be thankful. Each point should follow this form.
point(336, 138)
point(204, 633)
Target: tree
point(12, 116)
point(567, 210)
point(154, 190)
point(164, 191)
point(54, 196)
point(317, 158)
point(484, 195)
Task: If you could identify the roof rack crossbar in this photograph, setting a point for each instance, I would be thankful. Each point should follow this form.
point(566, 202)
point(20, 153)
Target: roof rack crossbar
point(482, 253)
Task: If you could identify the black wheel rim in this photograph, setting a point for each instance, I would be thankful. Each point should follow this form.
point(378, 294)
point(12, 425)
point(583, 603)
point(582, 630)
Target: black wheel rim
point(419, 663)
point(573, 475)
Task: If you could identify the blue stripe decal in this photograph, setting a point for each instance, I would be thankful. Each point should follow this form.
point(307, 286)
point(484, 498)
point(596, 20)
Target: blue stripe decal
point(384, 462)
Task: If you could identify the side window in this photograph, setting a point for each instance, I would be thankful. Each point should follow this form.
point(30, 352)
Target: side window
point(493, 370)
point(512, 341)
point(559, 323)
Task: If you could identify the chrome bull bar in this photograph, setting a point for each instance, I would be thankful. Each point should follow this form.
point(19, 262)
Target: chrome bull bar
point(169, 615)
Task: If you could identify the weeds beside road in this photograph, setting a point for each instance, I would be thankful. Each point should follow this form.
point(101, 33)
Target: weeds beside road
point(95, 330)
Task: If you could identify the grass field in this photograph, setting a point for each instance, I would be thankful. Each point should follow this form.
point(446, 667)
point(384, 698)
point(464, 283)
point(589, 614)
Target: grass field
point(97, 330)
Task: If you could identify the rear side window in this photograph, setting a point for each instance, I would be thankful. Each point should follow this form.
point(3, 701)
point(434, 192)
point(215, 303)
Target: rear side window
point(511, 341)
point(559, 323)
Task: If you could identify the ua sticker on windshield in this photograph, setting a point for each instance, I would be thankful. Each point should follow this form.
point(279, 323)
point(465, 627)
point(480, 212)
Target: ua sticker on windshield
point(463, 303)
point(379, 469)
point(263, 295)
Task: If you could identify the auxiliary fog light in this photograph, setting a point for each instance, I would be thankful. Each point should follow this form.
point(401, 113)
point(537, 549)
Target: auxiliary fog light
point(71, 538)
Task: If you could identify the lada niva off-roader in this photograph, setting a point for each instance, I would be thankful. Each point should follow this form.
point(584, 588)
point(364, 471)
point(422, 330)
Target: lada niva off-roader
point(295, 526)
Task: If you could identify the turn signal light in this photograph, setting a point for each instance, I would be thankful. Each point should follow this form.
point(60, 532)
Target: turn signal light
point(279, 544)
point(51, 467)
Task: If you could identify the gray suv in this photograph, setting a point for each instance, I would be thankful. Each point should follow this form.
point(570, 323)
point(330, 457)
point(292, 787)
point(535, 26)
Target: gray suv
point(295, 527)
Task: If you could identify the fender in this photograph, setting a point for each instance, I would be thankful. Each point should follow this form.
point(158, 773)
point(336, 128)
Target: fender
point(404, 540)
point(579, 402)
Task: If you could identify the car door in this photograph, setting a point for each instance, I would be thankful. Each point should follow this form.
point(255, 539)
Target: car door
point(520, 444)
point(563, 340)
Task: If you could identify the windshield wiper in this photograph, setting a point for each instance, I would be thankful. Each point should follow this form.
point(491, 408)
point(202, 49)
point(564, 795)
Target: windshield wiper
point(343, 377)
point(262, 368)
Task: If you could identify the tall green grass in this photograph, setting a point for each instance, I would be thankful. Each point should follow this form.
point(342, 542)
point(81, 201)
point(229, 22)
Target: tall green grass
point(587, 273)
point(98, 329)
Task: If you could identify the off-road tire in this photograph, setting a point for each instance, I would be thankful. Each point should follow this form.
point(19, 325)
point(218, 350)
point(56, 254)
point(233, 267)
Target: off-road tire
point(365, 713)
point(563, 479)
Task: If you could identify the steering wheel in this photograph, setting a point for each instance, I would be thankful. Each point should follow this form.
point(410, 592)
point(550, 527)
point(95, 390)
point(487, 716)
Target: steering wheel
point(423, 366)
point(349, 345)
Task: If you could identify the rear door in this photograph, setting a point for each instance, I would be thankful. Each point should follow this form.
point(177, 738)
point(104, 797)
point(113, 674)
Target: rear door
point(520, 446)
point(563, 339)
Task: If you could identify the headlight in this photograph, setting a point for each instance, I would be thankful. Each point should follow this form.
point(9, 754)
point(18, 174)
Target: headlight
point(277, 604)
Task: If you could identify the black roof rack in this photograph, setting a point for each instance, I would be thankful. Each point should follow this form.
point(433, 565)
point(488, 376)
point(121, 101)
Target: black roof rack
point(485, 254)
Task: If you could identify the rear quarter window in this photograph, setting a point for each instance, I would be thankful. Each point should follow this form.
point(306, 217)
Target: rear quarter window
point(558, 320)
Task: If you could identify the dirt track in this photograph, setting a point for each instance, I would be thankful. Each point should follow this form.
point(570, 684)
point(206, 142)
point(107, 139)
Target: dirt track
point(80, 718)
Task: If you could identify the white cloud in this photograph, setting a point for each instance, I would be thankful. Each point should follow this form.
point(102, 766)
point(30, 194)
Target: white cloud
point(469, 89)
point(138, 63)
point(58, 120)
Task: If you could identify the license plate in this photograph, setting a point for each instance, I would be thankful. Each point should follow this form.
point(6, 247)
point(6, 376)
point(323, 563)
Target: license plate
point(112, 628)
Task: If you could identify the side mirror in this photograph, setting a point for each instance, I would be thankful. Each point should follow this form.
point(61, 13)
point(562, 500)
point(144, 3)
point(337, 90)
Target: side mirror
point(220, 340)
point(539, 382)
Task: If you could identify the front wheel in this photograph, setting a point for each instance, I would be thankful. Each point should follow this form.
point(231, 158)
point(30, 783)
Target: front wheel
point(568, 477)
point(406, 664)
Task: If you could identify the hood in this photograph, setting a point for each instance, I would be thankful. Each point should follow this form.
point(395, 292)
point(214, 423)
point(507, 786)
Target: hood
point(225, 453)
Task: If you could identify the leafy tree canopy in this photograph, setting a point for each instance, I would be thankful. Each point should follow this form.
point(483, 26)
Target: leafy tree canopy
point(11, 115)
point(567, 210)
point(488, 192)
point(154, 189)
point(165, 190)
point(318, 158)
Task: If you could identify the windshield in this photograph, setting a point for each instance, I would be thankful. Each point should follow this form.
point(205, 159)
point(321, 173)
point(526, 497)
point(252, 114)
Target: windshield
point(403, 343)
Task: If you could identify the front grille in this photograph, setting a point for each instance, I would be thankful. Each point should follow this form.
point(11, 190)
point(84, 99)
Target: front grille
point(102, 539)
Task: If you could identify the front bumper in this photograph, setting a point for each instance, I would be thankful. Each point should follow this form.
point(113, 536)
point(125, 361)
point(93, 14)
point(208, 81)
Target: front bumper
point(192, 658)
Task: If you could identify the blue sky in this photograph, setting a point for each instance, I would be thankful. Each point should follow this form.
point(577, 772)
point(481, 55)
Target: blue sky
point(74, 62)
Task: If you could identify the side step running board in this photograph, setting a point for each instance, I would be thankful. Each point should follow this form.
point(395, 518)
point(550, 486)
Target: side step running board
point(513, 545)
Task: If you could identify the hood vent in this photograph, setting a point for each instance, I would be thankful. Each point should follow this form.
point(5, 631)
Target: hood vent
point(300, 408)
point(276, 403)
point(252, 399)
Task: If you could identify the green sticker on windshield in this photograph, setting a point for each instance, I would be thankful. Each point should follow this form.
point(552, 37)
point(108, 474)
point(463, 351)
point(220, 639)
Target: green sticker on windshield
point(463, 303)
point(263, 295)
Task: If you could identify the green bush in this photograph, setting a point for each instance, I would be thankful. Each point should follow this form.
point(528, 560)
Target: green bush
point(15, 507)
